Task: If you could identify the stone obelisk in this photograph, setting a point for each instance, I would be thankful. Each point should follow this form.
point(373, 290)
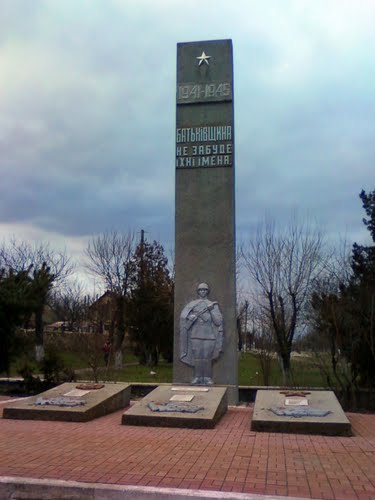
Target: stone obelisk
point(205, 217)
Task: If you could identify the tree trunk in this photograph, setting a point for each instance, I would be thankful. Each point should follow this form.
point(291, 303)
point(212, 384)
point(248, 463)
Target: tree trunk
point(285, 368)
point(39, 352)
point(118, 359)
point(265, 359)
point(39, 334)
point(119, 330)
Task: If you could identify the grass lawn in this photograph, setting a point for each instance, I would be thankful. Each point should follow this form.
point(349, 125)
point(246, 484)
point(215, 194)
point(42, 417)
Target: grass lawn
point(305, 373)
point(139, 373)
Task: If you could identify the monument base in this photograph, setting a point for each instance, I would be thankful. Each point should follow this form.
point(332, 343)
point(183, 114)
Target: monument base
point(316, 412)
point(90, 403)
point(198, 407)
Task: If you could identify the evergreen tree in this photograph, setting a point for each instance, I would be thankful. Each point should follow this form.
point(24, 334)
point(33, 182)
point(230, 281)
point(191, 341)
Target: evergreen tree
point(347, 315)
point(45, 267)
point(361, 293)
point(363, 263)
point(150, 304)
point(42, 283)
point(16, 303)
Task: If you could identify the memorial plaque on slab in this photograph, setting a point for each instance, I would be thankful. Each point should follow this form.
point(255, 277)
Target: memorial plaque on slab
point(76, 393)
point(186, 398)
point(296, 402)
point(189, 388)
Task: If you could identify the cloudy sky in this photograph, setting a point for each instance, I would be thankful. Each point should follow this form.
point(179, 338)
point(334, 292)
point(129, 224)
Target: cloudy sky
point(87, 112)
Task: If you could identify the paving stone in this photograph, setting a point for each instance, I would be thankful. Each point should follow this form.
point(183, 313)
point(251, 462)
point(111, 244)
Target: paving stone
point(103, 451)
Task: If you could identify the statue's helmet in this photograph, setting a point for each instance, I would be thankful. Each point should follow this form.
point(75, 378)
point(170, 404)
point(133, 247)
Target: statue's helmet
point(203, 286)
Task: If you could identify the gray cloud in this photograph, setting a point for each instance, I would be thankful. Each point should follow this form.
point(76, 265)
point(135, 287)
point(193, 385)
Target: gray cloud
point(87, 112)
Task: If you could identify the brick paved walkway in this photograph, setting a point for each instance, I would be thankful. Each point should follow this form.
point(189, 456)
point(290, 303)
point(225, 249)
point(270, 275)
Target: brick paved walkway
point(227, 458)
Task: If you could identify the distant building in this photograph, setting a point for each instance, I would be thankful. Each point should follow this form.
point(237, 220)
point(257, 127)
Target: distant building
point(100, 317)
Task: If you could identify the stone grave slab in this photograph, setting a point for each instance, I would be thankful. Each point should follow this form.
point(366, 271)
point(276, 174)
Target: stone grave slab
point(193, 409)
point(67, 403)
point(287, 411)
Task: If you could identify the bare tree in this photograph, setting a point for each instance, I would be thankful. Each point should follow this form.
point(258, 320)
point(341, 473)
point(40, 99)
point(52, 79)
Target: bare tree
point(47, 267)
point(283, 266)
point(108, 257)
point(265, 344)
point(89, 348)
point(69, 304)
point(21, 255)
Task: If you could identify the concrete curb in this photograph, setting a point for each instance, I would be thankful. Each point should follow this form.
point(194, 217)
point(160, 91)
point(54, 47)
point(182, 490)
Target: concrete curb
point(21, 488)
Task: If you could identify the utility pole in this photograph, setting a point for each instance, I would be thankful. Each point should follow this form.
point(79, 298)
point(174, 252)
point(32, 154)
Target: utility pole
point(142, 256)
point(246, 336)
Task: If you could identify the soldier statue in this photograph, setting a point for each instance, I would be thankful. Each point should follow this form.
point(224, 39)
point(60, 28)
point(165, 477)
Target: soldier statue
point(201, 335)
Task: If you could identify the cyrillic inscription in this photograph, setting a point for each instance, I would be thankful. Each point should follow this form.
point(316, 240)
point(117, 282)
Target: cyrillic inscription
point(204, 161)
point(204, 134)
point(204, 150)
point(198, 92)
point(210, 146)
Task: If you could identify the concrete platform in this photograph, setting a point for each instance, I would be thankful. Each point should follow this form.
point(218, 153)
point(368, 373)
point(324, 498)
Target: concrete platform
point(335, 423)
point(212, 402)
point(98, 402)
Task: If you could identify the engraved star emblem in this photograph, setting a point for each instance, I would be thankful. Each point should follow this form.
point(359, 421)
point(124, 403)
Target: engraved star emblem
point(203, 58)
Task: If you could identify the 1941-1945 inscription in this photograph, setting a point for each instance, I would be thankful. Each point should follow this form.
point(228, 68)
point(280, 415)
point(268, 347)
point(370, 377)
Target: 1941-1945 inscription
point(198, 92)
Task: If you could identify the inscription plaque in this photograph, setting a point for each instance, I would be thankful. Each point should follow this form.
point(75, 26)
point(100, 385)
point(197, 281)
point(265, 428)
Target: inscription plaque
point(296, 402)
point(204, 146)
point(190, 389)
point(185, 398)
point(76, 393)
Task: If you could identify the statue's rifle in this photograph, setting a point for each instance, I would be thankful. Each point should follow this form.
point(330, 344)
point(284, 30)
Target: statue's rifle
point(206, 309)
